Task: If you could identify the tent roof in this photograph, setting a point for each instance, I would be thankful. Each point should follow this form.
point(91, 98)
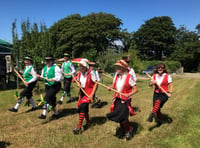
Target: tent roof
point(2, 42)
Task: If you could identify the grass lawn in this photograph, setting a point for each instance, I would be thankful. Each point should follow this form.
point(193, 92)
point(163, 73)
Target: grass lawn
point(23, 129)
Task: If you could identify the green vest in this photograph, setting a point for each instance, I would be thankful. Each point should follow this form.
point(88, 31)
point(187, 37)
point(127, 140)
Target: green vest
point(26, 74)
point(50, 74)
point(66, 69)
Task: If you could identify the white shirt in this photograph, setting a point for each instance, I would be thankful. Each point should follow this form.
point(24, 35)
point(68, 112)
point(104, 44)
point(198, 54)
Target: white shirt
point(121, 80)
point(58, 74)
point(83, 78)
point(159, 78)
point(132, 72)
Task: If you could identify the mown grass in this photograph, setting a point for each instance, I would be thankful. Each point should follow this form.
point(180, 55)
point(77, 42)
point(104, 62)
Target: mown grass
point(25, 130)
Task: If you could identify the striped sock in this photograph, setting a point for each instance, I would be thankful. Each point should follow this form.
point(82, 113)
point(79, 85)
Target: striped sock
point(81, 118)
point(156, 106)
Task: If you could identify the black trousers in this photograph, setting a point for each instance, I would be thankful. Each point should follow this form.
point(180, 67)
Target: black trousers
point(67, 84)
point(51, 92)
point(27, 92)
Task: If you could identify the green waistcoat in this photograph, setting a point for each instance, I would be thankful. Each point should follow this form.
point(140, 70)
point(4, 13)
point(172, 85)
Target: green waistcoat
point(66, 68)
point(50, 74)
point(26, 74)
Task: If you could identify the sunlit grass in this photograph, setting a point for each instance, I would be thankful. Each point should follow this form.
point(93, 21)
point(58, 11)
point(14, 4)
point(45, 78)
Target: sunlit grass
point(26, 130)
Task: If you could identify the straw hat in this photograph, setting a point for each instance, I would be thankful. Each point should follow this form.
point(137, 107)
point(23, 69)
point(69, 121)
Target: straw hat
point(122, 64)
point(84, 62)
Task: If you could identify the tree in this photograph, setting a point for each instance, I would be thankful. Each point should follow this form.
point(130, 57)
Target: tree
point(187, 49)
point(85, 36)
point(156, 38)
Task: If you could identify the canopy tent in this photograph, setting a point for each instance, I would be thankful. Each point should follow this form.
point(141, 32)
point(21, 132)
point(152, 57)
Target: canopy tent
point(5, 47)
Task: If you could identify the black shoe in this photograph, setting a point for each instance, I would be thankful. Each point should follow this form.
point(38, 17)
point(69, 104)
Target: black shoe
point(129, 134)
point(32, 109)
point(150, 118)
point(60, 102)
point(70, 100)
point(77, 131)
point(42, 116)
point(13, 109)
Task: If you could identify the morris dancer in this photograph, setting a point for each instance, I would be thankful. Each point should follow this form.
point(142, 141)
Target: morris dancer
point(120, 108)
point(130, 70)
point(52, 75)
point(67, 69)
point(30, 79)
point(162, 78)
point(96, 100)
point(87, 80)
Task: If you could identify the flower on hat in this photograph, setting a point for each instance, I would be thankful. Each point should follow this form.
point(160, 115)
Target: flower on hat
point(28, 58)
point(66, 54)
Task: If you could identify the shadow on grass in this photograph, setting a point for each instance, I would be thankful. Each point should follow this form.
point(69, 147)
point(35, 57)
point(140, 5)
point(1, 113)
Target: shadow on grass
point(63, 113)
point(95, 121)
point(99, 105)
point(98, 120)
point(136, 109)
point(4, 144)
point(134, 125)
point(165, 120)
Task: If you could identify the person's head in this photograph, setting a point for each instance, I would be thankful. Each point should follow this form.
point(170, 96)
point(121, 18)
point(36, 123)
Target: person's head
point(92, 65)
point(27, 60)
point(160, 68)
point(66, 56)
point(126, 59)
point(83, 66)
point(49, 60)
point(121, 67)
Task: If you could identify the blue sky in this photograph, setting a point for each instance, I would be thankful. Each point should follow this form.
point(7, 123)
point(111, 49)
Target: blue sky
point(133, 13)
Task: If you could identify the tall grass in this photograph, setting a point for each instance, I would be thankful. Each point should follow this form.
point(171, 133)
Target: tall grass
point(26, 130)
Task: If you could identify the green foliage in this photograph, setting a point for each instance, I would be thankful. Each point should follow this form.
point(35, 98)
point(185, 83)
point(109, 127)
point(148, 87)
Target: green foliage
point(155, 38)
point(107, 59)
point(81, 35)
point(171, 66)
point(187, 49)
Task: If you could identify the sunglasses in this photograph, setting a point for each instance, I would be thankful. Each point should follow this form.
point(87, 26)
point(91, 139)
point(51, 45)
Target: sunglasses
point(160, 67)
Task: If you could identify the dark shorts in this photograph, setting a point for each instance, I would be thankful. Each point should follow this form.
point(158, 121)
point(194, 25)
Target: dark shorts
point(160, 96)
point(83, 108)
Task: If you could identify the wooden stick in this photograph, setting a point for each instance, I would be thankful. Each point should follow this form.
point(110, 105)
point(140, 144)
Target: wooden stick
point(107, 75)
point(78, 84)
point(110, 88)
point(158, 85)
point(19, 75)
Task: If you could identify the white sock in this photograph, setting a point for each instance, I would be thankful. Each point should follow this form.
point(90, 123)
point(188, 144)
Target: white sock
point(62, 98)
point(44, 112)
point(17, 106)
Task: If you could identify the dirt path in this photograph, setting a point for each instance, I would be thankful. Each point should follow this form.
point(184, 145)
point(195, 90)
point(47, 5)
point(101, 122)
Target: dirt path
point(188, 75)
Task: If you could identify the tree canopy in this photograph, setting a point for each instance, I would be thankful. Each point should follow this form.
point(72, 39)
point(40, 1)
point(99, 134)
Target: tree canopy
point(155, 38)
